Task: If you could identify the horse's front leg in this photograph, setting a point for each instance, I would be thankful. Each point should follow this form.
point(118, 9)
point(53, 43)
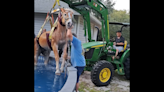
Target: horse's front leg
point(54, 47)
point(64, 57)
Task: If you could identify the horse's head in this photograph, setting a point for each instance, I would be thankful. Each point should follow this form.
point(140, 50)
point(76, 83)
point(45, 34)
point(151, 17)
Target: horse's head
point(66, 16)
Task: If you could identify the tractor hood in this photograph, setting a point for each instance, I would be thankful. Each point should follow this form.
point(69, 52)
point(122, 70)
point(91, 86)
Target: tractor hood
point(93, 44)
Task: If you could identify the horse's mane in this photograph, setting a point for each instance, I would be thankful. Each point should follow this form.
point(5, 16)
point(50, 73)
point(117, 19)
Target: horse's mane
point(68, 9)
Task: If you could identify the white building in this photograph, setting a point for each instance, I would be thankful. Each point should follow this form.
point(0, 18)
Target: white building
point(41, 7)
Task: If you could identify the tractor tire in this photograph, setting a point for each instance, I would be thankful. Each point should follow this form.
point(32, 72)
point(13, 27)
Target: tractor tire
point(127, 68)
point(102, 73)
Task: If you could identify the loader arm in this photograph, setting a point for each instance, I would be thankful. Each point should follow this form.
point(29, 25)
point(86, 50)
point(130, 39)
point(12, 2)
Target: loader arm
point(83, 7)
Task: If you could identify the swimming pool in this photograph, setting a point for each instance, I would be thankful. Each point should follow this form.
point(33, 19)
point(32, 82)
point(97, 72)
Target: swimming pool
point(45, 79)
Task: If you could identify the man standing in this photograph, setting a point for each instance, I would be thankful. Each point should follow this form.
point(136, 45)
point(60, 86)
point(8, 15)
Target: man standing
point(118, 44)
point(77, 57)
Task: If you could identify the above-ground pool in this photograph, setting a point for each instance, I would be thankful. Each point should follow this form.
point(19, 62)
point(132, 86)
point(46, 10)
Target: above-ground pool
point(45, 79)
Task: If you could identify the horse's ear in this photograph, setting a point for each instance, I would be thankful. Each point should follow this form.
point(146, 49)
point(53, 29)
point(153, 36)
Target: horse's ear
point(62, 9)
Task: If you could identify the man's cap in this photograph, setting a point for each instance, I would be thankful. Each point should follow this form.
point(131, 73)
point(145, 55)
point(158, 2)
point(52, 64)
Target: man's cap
point(118, 31)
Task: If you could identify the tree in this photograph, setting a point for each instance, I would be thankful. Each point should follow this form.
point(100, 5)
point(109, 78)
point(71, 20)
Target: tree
point(108, 3)
point(118, 16)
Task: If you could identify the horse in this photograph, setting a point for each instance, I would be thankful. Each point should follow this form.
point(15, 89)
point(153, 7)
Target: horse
point(42, 45)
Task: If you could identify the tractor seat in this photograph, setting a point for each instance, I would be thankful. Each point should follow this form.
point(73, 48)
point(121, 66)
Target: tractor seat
point(120, 53)
point(125, 45)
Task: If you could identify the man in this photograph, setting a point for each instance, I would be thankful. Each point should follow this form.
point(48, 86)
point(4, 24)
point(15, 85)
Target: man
point(118, 44)
point(77, 58)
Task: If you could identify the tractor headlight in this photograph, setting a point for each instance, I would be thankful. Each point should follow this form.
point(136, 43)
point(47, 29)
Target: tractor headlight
point(86, 50)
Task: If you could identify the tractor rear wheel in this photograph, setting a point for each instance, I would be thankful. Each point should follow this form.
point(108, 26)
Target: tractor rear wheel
point(127, 68)
point(102, 73)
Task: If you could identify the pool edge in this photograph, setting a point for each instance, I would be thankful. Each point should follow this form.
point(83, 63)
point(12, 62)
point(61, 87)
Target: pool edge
point(70, 83)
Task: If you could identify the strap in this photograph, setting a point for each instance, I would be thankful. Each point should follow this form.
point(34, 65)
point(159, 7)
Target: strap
point(55, 3)
point(48, 41)
point(61, 22)
point(52, 29)
point(41, 29)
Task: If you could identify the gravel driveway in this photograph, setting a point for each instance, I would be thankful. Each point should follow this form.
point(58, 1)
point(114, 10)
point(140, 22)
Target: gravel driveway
point(118, 84)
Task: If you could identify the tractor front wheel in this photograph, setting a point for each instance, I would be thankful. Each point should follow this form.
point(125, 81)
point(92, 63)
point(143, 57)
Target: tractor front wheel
point(102, 73)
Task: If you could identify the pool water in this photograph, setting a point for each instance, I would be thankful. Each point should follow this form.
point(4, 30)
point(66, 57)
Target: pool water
point(45, 79)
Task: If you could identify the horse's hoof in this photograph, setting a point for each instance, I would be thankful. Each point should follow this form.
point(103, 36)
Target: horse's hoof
point(61, 69)
point(57, 72)
point(69, 64)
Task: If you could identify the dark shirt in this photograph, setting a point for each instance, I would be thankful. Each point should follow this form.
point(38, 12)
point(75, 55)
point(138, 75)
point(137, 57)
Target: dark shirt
point(119, 40)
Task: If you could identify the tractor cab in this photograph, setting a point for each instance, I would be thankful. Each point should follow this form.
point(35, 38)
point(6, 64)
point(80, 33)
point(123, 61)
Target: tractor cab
point(125, 42)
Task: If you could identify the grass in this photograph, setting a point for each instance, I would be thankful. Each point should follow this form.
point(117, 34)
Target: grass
point(84, 86)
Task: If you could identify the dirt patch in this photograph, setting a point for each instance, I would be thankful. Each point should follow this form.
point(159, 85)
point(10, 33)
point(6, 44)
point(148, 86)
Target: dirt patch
point(118, 84)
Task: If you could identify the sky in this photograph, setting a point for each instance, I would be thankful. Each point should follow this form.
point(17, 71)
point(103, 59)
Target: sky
point(122, 4)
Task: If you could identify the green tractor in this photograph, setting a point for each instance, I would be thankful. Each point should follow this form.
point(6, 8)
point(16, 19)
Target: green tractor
point(99, 61)
point(97, 53)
